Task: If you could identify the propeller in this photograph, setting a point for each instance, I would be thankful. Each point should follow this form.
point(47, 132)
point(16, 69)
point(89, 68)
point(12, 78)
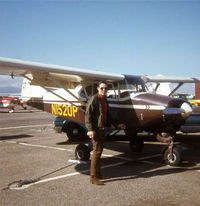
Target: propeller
point(173, 111)
point(185, 110)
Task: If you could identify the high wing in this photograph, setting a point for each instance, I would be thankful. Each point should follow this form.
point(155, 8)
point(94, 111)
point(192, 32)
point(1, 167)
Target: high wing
point(163, 79)
point(158, 80)
point(49, 75)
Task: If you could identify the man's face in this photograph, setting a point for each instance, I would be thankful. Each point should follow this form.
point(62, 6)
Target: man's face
point(102, 89)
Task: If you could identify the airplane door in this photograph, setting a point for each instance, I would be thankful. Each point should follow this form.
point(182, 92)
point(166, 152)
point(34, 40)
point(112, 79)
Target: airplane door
point(120, 105)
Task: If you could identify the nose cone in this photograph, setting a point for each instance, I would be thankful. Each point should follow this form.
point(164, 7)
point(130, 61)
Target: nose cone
point(186, 107)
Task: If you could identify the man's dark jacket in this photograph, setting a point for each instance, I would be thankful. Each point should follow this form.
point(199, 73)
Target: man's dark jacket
point(94, 114)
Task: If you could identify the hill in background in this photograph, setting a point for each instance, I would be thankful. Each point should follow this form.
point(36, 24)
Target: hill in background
point(9, 90)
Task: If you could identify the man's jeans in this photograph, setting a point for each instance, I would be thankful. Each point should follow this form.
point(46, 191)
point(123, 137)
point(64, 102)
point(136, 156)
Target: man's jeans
point(97, 143)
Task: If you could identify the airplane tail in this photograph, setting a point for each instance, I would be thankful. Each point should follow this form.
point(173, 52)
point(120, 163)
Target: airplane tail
point(31, 93)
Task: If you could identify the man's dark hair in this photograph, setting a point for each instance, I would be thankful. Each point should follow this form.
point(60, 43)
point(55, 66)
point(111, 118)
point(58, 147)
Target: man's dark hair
point(102, 82)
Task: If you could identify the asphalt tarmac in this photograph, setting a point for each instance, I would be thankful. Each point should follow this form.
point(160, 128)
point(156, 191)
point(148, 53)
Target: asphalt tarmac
point(32, 152)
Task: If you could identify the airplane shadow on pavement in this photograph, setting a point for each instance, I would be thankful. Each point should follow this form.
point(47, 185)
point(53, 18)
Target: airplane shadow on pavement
point(134, 169)
point(14, 137)
point(145, 172)
point(139, 168)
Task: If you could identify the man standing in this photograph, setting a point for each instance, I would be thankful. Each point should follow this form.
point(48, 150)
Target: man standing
point(96, 118)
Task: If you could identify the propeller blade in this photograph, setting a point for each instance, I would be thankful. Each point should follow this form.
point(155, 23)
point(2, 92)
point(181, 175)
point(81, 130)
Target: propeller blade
point(172, 111)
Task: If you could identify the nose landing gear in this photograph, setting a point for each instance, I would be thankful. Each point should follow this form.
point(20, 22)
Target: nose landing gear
point(172, 154)
point(172, 158)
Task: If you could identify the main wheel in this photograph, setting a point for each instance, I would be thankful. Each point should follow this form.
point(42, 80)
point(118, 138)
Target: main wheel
point(175, 160)
point(82, 152)
point(75, 132)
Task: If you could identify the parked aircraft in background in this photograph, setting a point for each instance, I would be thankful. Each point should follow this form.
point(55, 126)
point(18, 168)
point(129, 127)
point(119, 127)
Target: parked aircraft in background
point(10, 103)
point(195, 102)
point(66, 91)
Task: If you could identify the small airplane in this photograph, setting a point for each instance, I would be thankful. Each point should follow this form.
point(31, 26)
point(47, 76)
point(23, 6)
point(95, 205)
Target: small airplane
point(65, 91)
point(10, 103)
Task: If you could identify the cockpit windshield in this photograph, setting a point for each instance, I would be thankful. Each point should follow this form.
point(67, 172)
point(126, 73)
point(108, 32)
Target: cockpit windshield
point(135, 84)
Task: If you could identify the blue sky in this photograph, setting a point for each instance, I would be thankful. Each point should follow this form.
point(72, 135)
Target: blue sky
point(129, 37)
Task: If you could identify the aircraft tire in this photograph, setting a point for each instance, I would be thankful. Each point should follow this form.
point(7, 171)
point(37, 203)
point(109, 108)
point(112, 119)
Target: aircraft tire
point(82, 152)
point(176, 157)
point(136, 145)
point(75, 132)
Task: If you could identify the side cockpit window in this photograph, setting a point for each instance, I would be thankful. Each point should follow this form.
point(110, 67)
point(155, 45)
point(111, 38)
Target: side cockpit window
point(88, 91)
point(83, 94)
point(123, 90)
point(112, 91)
point(117, 90)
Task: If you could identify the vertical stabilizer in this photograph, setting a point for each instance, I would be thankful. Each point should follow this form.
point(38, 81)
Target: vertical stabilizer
point(31, 91)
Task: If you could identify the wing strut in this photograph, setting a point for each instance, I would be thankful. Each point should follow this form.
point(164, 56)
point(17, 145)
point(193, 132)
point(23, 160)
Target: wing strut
point(67, 90)
point(178, 86)
point(49, 90)
point(157, 85)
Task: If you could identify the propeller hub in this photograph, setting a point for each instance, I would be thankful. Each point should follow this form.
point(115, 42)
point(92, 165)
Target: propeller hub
point(187, 110)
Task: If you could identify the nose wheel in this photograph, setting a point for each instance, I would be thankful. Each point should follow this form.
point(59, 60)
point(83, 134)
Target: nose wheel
point(172, 158)
point(172, 154)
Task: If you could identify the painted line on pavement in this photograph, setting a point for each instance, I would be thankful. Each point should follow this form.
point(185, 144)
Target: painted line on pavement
point(125, 160)
point(40, 146)
point(75, 173)
point(69, 150)
point(105, 155)
point(82, 172)
point(131, 159)
point(25, 126)
point(62, 149)
point(48, 147)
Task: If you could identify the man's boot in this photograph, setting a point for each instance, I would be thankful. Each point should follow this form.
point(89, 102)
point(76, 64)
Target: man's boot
point(96, 181)
point(101, 177)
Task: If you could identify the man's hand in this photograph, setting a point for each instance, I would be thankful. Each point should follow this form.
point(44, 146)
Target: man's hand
point(121, 126)
point(91, 134)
